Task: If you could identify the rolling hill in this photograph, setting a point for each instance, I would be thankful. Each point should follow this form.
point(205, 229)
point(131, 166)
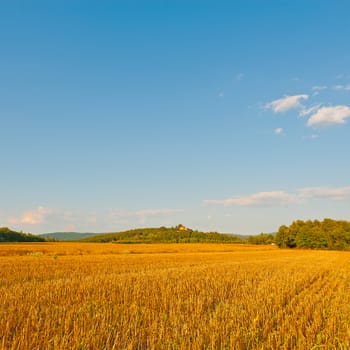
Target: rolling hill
point(178, 234)
point(67, 236)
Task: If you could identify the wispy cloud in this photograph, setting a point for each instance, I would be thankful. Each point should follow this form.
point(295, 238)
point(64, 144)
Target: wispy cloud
point(278, 131)
point(240, 76)
point(332, 193)
point(341, 87)
point(319, 87)
point(281, 198)
point(329, 116)
point(310, 110)
point(256, 199)
point(338, 87)
point(286, 103)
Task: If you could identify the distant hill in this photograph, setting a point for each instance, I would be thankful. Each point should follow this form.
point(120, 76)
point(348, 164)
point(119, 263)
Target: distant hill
point(67, 236)
point(7, 235)
point(178, 234)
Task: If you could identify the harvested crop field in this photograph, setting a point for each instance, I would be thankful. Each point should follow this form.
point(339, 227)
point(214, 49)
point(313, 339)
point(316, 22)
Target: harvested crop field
point(172, 296)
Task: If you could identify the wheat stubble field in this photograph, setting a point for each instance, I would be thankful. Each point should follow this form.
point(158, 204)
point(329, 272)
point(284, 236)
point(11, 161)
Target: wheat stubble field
point(175, 296)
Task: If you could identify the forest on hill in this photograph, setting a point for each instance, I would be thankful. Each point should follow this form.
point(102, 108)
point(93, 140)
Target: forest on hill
point(326, 234)
point(178, 234)
point(7, 235)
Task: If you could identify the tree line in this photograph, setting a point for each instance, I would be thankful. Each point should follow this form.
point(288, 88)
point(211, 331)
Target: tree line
point(326, 234)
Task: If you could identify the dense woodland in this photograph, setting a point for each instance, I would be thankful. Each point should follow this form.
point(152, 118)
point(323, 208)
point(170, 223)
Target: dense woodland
point(326, 234)
point(7, 235)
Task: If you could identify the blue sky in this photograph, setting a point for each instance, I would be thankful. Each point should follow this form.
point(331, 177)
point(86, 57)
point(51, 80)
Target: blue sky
point(221, 115)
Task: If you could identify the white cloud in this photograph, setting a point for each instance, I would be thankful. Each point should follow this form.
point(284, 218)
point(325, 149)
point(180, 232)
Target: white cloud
point(32, 217)
point(286, 103)
point(328, 116)
point(36, 217)
point(278, 198)
point(278, 131)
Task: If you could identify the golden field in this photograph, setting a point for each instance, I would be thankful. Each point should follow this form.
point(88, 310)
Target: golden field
point(172, 296)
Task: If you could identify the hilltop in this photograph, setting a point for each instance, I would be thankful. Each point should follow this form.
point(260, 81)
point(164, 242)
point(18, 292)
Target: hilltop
point(7, 235)
point(178, 234)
